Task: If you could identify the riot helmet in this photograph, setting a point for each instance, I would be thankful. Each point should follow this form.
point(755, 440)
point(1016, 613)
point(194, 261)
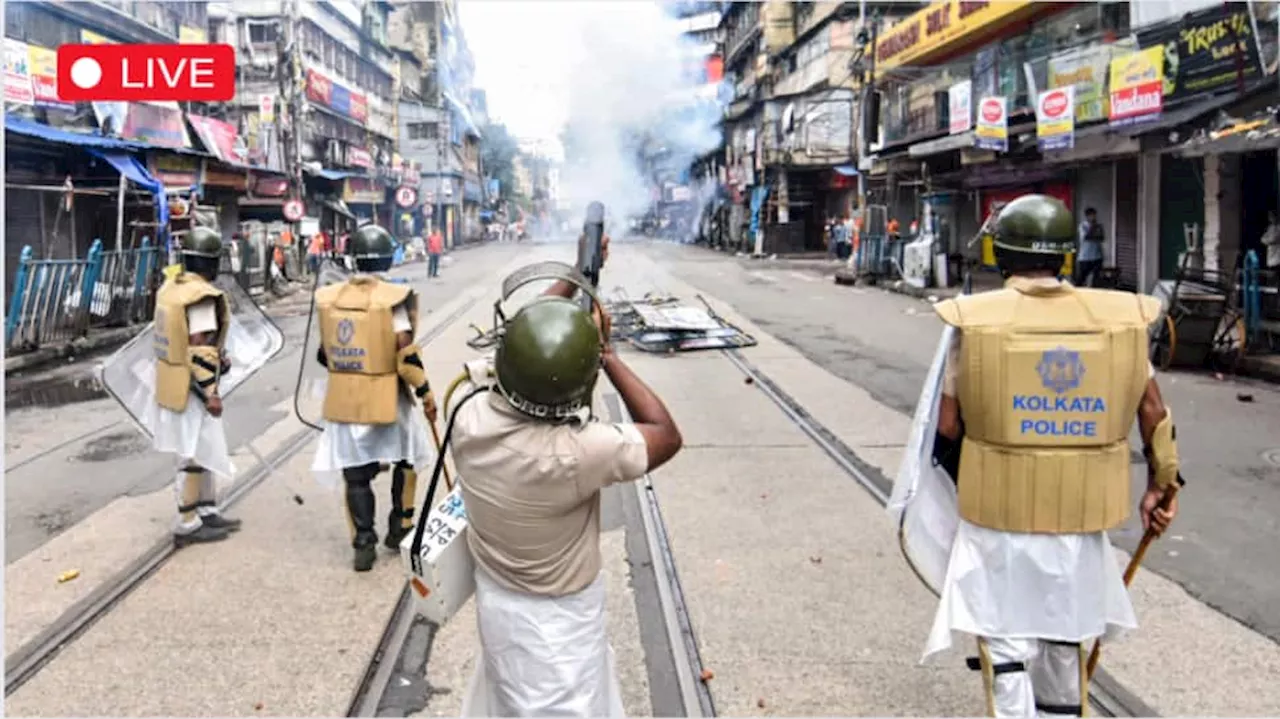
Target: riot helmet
point(372, 248)
point(1034, 233)
point(202, 252)
point(548, 359)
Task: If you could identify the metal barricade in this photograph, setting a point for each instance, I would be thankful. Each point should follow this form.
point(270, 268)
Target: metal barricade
point(56, 301)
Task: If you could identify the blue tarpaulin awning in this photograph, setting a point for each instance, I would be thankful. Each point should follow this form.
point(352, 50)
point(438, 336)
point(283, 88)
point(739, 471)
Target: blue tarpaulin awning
point(329, 174)
point(847, 170)
point(20, 126)
point(128, 166)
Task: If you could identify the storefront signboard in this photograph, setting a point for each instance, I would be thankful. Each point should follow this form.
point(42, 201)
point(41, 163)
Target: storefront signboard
point(17, 73)
point(992, 130)
point(322, 89)
point(361, 190)
point(1055, 121)
point(1207, 50)
point(177, 171)
point(960, 105)
point(359, 157)
point(220, 138)
point(1137, 86)
point(44, 77)
point(1085, 69)
point(941, 26)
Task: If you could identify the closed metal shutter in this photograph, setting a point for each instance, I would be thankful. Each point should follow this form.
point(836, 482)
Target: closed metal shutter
point(1126, 189)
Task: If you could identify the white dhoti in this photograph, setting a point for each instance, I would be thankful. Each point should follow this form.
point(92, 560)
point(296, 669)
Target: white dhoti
point(344, 445)
point(200, 442)
point(542, 656)
point(1035, 601)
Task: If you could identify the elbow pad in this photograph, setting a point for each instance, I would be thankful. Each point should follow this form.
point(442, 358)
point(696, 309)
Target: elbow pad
point(1162, 452)
point(410, 368)
point(206, 365)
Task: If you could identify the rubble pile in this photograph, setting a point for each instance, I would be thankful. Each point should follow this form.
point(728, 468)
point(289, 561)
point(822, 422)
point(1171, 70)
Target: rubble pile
point(660, 323)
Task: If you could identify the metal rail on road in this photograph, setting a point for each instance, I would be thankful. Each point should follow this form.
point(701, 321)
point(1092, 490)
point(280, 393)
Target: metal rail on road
point(28, 660)
point(1107, 696)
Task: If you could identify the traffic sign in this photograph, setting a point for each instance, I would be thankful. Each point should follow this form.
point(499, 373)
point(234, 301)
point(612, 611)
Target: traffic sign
point(406, 197)
point(294, 210)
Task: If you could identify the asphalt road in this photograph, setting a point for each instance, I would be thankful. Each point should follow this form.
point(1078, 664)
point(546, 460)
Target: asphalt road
point(70, 450)
point(1221, 548)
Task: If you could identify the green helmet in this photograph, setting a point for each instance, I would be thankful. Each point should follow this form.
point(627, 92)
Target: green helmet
point(373, 249)
point(202, 252)
point(1035, 224)
point(548, 359)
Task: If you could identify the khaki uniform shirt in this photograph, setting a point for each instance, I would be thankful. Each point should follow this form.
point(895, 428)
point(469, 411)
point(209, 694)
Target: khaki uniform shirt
point(532, 492)
point(950, 370)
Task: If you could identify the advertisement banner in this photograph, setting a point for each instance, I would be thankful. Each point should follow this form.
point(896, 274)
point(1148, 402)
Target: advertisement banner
point(1085, 69)
point(1137, 86)
point(992, 131)
point(266, 109)
point(361, 190)
point(155, 125)
point(359, 157)
point(17, 73)
point(43, 66)
point(1208, 50)
point(336, 97)
point(175, 171)
point(1055, 121)
point(960, 104)
point(220, 138)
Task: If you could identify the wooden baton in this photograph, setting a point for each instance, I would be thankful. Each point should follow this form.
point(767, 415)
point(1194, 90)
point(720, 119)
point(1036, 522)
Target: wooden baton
point(1170, 493)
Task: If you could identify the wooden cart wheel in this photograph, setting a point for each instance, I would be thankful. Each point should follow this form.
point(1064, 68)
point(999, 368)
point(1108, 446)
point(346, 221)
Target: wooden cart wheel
point(1164, 344)
point(1232, 344)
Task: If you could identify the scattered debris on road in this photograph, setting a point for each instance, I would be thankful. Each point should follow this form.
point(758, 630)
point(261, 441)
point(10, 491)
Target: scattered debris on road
point(661, 324)
point(68, 575)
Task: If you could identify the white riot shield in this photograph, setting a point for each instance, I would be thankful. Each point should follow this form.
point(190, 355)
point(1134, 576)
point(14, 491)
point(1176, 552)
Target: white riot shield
point(252, 340)
point(313, 377)
point(923, 501)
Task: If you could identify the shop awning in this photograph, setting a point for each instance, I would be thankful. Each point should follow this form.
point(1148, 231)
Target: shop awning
point(846, 170)
point(329, 174)
point(341, 208)
point(40, 131)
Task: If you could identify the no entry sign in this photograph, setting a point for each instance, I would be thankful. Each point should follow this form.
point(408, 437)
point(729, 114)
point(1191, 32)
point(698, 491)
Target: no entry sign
point(406, 197)
point(294, 210)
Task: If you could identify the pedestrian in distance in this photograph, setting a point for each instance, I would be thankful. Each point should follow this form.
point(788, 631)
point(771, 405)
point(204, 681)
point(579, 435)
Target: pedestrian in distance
point(435, 248)
point(190, 333)
point(1089, 257)
point(1041, 386)
point(376, 376)
point(533, 461)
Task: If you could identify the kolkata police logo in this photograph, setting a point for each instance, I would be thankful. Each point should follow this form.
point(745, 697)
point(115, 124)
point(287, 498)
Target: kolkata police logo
point(1060, 369)
point(346, 330)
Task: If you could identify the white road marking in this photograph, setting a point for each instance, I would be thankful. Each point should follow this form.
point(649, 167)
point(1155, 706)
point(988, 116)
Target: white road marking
point(802, 276)
point(761, 276)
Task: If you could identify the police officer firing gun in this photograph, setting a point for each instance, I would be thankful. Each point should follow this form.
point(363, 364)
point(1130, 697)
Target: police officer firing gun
point(591, 249)
point(376, 371)
point(1041, 386)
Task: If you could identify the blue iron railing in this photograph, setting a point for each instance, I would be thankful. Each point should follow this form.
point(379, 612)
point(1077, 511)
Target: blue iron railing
point(57, 301)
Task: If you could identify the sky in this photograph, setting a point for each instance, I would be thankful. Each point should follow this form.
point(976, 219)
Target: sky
point(523, 53)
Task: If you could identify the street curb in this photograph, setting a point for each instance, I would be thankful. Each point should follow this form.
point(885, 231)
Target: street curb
point(1256, 368)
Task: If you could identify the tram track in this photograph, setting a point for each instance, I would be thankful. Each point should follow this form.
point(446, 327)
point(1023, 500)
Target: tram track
point(28, 660)
point(1108, 697)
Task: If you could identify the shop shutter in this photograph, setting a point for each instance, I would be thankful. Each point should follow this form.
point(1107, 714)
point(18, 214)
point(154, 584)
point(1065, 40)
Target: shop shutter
point(1126, 189)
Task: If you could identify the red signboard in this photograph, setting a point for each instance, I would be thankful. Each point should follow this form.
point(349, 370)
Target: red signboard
point(219, 138)
point(993, 200)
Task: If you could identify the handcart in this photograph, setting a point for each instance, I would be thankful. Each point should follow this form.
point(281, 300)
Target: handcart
point(1201, 323)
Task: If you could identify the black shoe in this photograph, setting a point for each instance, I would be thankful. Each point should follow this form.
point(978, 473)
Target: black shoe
point(217, 521)
point(396, 534)
point(200, 536)
point(365, 557)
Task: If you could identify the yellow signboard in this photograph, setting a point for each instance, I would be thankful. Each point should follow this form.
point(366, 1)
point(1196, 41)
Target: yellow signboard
point(941, 26)
point(88, 37)
point(192, 36)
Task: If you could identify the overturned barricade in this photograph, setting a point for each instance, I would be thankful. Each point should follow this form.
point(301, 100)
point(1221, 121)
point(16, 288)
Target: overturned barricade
point(660, 323)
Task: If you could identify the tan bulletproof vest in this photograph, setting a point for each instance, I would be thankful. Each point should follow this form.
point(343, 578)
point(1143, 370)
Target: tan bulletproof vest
point(171, 336)
point(359, 341)
point(1049, 383)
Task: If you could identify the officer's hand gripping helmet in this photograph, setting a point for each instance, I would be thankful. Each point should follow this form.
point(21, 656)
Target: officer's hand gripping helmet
point(548, 354)
point(372, 248)
point(1033, 233)
point(202, 252)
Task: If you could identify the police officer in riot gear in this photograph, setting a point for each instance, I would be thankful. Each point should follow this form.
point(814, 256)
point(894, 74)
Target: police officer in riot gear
point(375, 374)
point(1040, 390)
point(532, 463)
point(190, 334)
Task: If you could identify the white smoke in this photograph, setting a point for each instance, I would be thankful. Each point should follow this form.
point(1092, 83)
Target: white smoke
point(628, 79)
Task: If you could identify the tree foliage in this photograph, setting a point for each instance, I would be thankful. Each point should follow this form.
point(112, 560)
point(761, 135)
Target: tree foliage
point(498, 152)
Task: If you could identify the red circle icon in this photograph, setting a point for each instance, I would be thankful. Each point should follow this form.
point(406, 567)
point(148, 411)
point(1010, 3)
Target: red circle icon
point(406, 197)
point(991, 111)
point(294, 210)
point(1054, 104)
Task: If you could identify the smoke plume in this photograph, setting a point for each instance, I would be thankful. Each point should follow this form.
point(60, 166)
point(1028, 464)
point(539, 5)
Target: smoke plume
point(630, 87)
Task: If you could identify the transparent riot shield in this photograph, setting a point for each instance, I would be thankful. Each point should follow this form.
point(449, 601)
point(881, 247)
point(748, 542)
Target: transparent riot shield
point(924, 501)
point(313, 377)
point(253, 339)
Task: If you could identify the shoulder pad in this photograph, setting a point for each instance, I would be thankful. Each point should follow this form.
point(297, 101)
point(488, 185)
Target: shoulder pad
point(389, 294)
point(1150, 307)
point(329, 293)
point(948, 311)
